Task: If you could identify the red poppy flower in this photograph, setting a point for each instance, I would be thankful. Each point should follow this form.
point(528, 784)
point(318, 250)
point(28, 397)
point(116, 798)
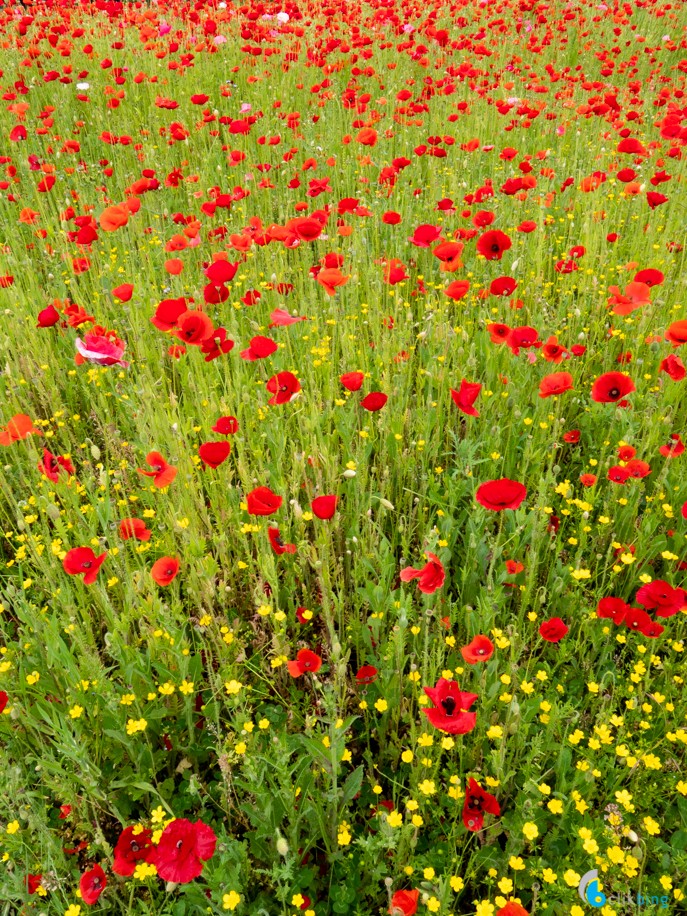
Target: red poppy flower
point(650, 276)
point(674, 367)
point(262, 501)
point(617, 474)
point(553, 352)
point(330, 278)
point(553, 630)
point(512, 909)
point(499, 333)
point(503, 286)
point(280, 318)
point(638, 469)
point(457, 289)
point(556, 383)
point(352, 381)
point(194, 327)
point(527, 225)
point(220, 272)
point(92, 884)
point(652, 629)
point(677, 333)
point(637, 619)
point(283, 387)
point(391, 218)
point(404, 903)
point(662, 598)
point(134, 528)
point(113, 218)
point(425, 235)
point(167, 313)
point(449, 254)
point(33, 882)
point(498, 495)
point(478, 802)
point(82, 560)
point(572, 436)
point(123, 292)
point(260, 348)
point(277, 544)
point(366, 675)
point(164, 570)
point(163, 474)
point(513, 567)
point(51, 466)
point(324, 507)
point(182, 849)
point(18, 428)
point(47, 317)
point(483, 218)
point(636, 295)
point(492, 244)
point(523, 337)
point(251, 297)
point(3, 701)
point(430, 578)
point(480, 649)
point(611, 387)
point(306, 660)
point(374, 401)
point(588, 480)
point(226, 426)
point(300, 615)
point(214, 453)
point(216, 345)
point(305, 228)
point(450, 711)
point(655, 199)
point(466, 397)
point(674, 448)
point(613, 609)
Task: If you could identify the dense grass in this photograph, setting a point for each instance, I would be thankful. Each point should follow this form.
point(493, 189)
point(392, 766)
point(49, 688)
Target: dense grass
point(131, 702)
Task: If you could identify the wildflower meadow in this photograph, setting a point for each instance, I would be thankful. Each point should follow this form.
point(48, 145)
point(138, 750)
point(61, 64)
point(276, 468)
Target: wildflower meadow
point(343, 486)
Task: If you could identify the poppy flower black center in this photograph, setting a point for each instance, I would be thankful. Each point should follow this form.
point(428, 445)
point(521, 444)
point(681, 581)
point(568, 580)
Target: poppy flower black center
point(283, 387)
point(134, 846)
point(474, 803)
point(449, 705)
point(180, 843)
point(495, 247)
point(96, 883)
point(614, 393)
point(87, 564)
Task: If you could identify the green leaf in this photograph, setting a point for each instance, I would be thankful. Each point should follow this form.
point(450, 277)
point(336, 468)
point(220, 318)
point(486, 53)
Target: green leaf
point(352, 785)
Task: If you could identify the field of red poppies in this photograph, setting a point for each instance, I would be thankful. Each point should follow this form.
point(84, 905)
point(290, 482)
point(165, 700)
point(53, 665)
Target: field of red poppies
point(343, 486)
